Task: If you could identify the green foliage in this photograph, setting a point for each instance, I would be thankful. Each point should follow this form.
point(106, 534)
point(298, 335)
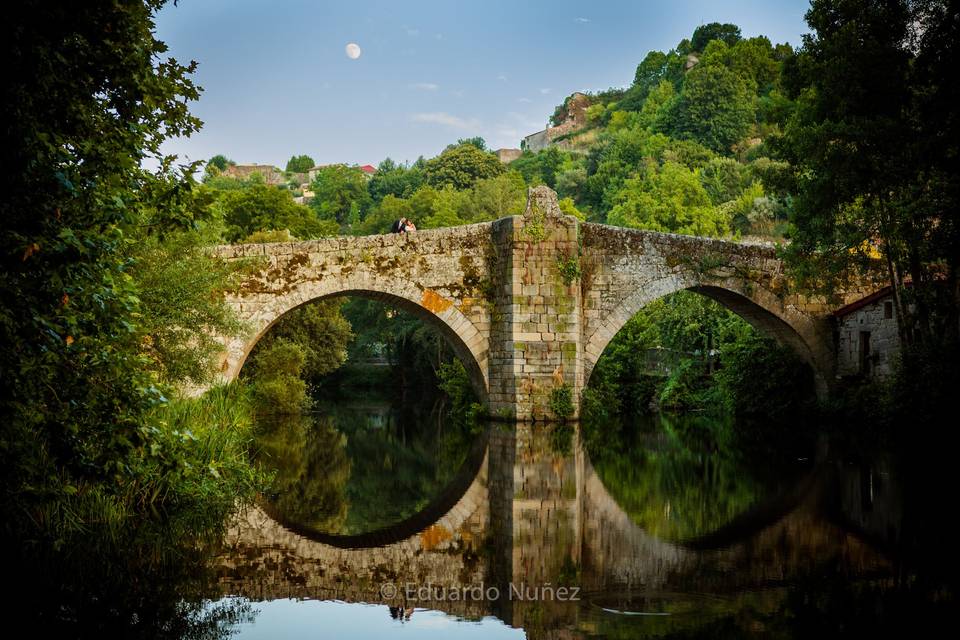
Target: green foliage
point(300, 164)
point(219, 162)
point(561, 401)
point(340, 194)
point(761, 379)
point(716, 108)
point(260, 207)
point(277, 386)
point(569, 268)
point(706, 33)
point(687, 387)
point(497, 197)
point(872, 144)
point(455, 383)
point(476, 141)
point(446, 208)
point(461, 167)
point(318, 333)
point(543, 167)
point(95, 462)
point(393, 179)
point(182, 305)
point(670, 199)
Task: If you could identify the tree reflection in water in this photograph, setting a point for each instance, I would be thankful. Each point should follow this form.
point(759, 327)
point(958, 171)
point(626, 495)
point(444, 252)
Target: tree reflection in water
point(677, 476)
point(308, 457)
point(352, 469)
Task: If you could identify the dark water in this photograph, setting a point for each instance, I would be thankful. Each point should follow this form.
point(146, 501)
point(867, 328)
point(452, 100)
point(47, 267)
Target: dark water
point(353, 468)
point(382, 523)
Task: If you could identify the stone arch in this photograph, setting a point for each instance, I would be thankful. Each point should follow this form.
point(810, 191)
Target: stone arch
point(809, 338)
point(264, 310)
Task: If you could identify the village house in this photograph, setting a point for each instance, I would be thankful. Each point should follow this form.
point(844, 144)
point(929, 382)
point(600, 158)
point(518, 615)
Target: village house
point(271, 174)
point(576, 119)
point(867, 338)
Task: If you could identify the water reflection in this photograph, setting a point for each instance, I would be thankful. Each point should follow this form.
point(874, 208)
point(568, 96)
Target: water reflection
point(661, 530)
point(354, 468)
point(679, 485)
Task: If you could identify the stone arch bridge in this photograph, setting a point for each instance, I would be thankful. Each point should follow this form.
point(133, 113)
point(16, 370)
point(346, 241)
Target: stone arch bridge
point(530, 302)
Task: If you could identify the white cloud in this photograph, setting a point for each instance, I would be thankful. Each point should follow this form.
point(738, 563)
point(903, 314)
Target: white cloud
point(544, 91)
point(458, 93)
point(424, 86)
point(582, 20)
point(447, 120)
point(502, 77)
point(413, 33)
point(524, 100)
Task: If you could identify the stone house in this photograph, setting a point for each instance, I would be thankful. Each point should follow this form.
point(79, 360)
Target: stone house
point(506, 156)
point(576, 119)
point(867, 337)
point(271, 174)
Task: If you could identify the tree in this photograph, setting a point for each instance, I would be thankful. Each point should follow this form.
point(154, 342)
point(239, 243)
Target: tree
point(94, 469)
point(181, 293)
point(716, 108)
point(320, 332)
point(873, 145)
point(220, 161)
point(340, 191)
point(394, 179)
point(704, 34)
point(495, 198)
point(260, 207)
point(669, 199)
point(476, 141)
point(381, 217)
point(300, 164)
point(460, 167)
point(448, 205)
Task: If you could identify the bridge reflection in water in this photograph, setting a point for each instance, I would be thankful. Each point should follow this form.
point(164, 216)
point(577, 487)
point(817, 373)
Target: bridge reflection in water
point(522, 514)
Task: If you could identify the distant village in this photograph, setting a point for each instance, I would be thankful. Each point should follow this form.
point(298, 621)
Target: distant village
point(299, 182)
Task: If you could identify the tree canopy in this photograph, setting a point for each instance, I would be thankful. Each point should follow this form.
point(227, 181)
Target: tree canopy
point(300, 164)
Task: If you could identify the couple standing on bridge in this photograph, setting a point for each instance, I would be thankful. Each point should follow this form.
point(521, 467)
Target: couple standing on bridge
point(403, 225)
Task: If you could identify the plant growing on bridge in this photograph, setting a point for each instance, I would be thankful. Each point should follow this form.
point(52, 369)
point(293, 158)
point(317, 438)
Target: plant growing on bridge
point(535, 226)
point(569, 268)
point(561, 401)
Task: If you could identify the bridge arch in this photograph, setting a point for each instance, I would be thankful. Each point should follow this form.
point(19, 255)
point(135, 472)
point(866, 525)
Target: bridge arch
point(759, 307)
point(469, 345)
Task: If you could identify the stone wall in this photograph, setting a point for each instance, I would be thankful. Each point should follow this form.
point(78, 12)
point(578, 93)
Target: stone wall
point(878, 319)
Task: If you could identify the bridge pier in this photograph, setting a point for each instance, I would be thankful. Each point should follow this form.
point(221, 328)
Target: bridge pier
point(536, 360)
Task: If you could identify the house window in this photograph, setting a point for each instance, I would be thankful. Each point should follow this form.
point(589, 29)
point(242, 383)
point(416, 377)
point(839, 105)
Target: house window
point(887, 310)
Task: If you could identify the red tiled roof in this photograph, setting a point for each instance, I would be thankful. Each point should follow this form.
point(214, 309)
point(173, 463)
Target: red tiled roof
point(368, 168)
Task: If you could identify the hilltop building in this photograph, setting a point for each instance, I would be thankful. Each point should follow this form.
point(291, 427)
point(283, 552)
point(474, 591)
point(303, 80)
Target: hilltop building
point(575, 119)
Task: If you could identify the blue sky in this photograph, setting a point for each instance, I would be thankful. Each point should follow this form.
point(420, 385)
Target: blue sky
point(277, 81)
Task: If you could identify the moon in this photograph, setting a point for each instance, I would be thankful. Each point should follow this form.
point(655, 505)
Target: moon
point(353, 50)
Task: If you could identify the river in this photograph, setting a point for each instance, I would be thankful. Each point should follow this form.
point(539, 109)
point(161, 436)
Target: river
point(383, 522)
